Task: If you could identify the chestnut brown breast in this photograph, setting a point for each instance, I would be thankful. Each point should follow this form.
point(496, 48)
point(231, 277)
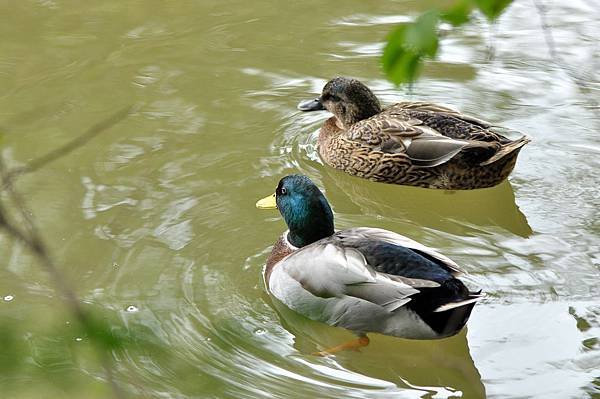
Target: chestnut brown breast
point(280, 250)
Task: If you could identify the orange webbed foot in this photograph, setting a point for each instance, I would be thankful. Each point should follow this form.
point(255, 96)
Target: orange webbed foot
point(354, 345)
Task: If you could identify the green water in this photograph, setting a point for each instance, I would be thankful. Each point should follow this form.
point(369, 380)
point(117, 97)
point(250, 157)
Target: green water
point(154, 224)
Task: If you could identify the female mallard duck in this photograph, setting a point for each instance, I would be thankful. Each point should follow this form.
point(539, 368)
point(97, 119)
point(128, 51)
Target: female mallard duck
point(411, 143)
point(363, 279)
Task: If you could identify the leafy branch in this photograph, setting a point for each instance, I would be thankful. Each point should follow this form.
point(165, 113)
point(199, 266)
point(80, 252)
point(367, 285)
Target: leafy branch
point(409, 44)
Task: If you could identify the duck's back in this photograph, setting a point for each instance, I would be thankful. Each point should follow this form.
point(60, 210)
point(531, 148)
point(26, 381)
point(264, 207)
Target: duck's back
point(410, 263)
point(413, 117)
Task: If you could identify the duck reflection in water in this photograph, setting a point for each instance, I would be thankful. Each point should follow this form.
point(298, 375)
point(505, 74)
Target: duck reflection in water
point(455, 212)
point(407, 364)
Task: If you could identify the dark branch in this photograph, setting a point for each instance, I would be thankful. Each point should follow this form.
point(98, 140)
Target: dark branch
point(30, 237)
point(68, 147)
point(551, 44)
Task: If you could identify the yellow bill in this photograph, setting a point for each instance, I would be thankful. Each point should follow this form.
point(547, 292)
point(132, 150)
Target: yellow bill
point(267, 203)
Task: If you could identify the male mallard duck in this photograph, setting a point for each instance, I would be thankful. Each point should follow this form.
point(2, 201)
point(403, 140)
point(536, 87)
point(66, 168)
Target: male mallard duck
point(363, 279)
point(411, 143)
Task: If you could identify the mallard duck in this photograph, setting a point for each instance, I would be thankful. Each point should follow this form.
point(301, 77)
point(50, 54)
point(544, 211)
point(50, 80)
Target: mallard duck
point(410, 143)
point(363, 279)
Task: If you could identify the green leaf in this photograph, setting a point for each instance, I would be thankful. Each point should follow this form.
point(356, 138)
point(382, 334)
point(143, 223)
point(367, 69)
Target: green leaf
point(492, 8)
point(405, 68)
point(422, 36)
point(398, 60)
point(459, 13)
point(407, 46)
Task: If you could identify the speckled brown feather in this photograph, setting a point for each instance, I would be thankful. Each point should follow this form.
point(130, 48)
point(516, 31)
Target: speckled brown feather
point(376, 148)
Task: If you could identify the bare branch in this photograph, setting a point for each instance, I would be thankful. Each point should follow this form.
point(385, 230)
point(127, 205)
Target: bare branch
point(67, 148)
point(16, 198)
point(551, 44)
point(541, 9)
point(31, 238)
point(33, 241)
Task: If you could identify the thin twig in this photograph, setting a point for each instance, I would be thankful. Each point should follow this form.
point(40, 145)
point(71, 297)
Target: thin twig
point(492, 31)
point(32, 239)
point(35, 244)
point(551, 44)
point(16, 198)
point(65, 149)
point(541, 9)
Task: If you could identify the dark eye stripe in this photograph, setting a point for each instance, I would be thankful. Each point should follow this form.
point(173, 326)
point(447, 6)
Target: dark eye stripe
point(330, 97)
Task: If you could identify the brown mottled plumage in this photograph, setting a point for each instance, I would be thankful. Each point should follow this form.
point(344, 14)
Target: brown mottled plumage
point(411, 143)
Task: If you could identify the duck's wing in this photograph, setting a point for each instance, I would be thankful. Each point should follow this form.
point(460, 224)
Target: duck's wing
point(354, 236)
point(455, 124)
point(328, 269)
point(425, 146)
point(429, 151)
point(382, 127)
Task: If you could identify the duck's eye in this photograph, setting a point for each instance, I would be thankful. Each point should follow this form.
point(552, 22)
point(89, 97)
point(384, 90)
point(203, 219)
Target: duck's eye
point(283, 191)
point(330, 97)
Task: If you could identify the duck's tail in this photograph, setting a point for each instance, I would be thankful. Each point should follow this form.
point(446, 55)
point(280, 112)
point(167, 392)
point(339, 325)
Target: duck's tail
point(473, 297)
point(510, 148)
point(458, 312)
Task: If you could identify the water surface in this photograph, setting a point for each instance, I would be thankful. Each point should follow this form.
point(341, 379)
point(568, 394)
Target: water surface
point(154, 221)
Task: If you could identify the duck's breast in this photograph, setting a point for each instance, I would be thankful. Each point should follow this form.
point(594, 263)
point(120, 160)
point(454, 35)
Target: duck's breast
point(281, 249)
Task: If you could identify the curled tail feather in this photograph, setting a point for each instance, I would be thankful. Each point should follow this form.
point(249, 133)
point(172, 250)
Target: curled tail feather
point(473, 297)
point(506, 150)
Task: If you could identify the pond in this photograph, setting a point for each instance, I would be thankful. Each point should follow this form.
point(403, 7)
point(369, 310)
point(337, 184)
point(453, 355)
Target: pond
point(154, 225)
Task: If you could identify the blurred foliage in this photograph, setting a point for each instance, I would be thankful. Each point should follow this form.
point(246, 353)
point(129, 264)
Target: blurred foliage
point(492, 8)
point(409, 44)
point(67, 355)
point(32, 352)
